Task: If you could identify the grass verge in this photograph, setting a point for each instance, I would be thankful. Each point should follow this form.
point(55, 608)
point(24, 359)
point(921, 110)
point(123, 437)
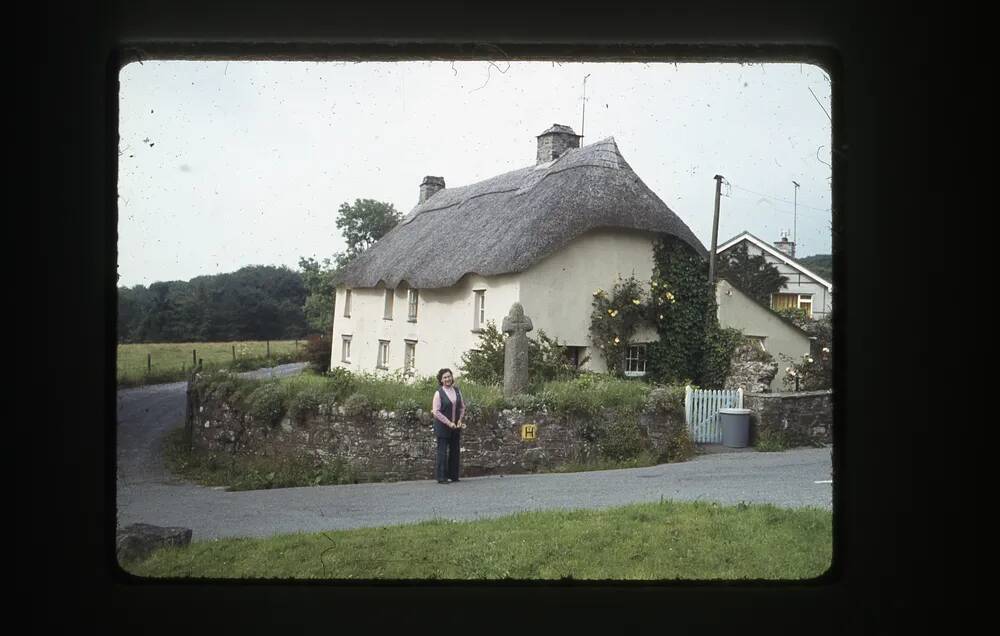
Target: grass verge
point(651, 541)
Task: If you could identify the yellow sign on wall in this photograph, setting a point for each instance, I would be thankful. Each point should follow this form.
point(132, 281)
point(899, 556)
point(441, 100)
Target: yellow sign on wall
point(528, 432)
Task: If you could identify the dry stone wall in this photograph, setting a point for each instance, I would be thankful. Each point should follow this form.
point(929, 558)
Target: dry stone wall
point(399, 446)
point(801, 419)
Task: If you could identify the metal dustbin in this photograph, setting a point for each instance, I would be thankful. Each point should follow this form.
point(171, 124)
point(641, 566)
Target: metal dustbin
point(735, 427)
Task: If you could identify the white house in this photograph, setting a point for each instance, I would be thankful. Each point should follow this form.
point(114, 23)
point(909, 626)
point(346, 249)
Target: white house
point(805, 289)
point(546, 236)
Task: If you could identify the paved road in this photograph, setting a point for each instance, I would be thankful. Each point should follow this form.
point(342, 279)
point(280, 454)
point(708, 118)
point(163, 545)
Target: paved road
point(148, 493)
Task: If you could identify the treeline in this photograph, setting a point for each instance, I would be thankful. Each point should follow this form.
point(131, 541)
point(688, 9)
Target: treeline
point(259, 302)
point(822, 264)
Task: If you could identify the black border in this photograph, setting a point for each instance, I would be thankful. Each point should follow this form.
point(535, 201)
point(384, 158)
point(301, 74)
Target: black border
point(880, 65)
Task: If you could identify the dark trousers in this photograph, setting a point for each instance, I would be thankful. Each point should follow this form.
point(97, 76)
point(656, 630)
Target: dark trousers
point(448, 450)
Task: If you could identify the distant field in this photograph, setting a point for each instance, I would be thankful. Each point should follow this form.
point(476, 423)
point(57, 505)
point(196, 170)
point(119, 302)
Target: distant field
point(169, 362)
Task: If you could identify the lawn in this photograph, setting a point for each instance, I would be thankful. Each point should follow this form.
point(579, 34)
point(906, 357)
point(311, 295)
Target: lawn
point(651, 541)
point(169, 362)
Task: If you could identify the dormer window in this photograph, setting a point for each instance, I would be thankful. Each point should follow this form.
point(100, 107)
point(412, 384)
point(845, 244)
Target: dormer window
point(413, 299)
point(387, 314)
point(479, 318)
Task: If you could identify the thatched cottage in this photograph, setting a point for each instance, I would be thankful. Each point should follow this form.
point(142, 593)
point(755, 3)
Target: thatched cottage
point(546, 236)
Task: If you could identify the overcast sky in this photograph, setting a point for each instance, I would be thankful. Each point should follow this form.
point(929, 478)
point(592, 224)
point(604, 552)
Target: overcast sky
point(228, 164)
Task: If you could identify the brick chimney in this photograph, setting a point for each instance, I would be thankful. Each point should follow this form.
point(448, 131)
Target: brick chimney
point(785, 246)
point(429, 188)
point(555, 141)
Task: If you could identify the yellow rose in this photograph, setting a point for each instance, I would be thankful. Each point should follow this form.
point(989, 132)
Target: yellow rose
point(635, 301)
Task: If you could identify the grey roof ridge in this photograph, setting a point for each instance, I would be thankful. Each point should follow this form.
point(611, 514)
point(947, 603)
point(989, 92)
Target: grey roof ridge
point(793, 261)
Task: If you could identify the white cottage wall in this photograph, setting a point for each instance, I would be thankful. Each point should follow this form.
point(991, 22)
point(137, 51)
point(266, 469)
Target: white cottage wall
point(443, 330)
point(557, 292)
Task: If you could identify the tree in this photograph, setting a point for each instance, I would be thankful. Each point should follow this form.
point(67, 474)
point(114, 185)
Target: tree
point(752, 275)
point(365, 222)
point(318, 280)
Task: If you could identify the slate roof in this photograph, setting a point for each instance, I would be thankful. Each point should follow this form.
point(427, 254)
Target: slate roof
point(509, 222)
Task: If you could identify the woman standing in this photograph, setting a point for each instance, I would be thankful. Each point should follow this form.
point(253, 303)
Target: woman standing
point(448, 409)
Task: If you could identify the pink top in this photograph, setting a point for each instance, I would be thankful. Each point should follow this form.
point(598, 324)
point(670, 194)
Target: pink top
point(436, 406)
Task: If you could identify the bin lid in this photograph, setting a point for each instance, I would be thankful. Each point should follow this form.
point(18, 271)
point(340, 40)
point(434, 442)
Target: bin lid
point(735, 411)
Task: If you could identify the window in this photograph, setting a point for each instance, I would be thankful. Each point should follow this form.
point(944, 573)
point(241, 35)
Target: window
point(479, 320)
point(347, 303)
point(388, 304)
point(383, 354)
point(792, 301)
point(413, 299)
point(635, 360)
point(758, 341)
point(345, 351)
point(410, 357)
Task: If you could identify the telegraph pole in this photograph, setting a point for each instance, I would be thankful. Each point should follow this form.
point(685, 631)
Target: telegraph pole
point(583, 117)
point(715, 230)
point(795, 218)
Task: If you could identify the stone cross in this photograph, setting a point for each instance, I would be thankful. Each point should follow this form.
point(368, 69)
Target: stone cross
point(515, 355)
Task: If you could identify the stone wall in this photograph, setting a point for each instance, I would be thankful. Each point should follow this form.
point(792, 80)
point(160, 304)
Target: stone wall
point(751, 370)
point(397, 446)
point(802, 419)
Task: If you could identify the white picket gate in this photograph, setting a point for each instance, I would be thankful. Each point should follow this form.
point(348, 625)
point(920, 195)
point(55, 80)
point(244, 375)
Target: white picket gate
point(701, 412)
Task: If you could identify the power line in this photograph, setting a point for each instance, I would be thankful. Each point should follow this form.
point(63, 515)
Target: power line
point(768, 196)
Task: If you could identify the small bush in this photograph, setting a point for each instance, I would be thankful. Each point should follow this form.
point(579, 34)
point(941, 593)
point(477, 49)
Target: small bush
point(317, 353)
point(306, 402)
point(408, 409)
point(341, 383)
point(266, 403)
point(357, 404)
point(527, 403)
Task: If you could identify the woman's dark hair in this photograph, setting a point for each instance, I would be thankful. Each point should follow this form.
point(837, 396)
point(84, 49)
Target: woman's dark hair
point(441, 374)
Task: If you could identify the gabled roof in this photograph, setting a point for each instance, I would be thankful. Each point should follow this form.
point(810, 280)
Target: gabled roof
point(506, 224)
point(773, 251)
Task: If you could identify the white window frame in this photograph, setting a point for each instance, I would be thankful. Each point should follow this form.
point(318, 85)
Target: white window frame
point(413, 300)
point(345, 349)
point(759, 341)
point(806, 302)
point(390, 301)
point(410, 356)
point(640, 358)
point(347, 303)
point(383, 354)
point(479, 304)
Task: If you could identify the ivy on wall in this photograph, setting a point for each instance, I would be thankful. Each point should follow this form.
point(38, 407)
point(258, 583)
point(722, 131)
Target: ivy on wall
point(680, 304)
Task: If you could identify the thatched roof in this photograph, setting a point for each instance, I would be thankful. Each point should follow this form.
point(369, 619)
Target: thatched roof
point(506, 224)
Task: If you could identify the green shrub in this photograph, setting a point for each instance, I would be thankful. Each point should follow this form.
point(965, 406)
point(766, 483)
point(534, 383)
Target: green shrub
point(484, 365)
point(357, 404)
point(720, 344)
point(341, 383)
point(306, 402)
point(266, 403)
point(408, 409)
point(527, 402)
